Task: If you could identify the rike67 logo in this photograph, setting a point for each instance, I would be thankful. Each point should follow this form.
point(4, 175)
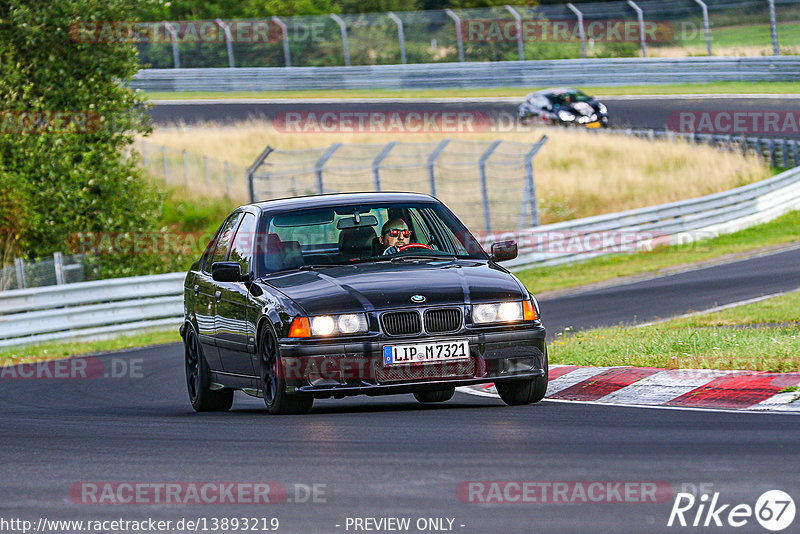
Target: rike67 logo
point(774, 510)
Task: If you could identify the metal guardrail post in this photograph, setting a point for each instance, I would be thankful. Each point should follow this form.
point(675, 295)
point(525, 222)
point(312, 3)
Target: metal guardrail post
point(321, 163)
point(773, 24)
point(401, 36)
point(530, 185)
point(228, 40)
point(773, 156)
point(520, 42)
point(432, 161)
point(287, 56)
point(185, 168)
point(173, 32)
point(796, 152)
point(19, 266)
point(706, 24)
point(487, 219)
point(345, 44)
point(227, 181)
point(376, 164)
point(459, 36)
point(58, 267)
point(251, 171)
point(166, 163)
point(581, 30)
point(640, 16)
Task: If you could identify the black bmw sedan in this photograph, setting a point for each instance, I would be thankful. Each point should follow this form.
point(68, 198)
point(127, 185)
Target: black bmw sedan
point(363, 293)
point(563, 107)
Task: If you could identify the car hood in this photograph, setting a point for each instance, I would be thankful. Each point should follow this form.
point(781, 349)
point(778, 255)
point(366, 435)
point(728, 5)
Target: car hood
point(584, 109)
point(380, 286)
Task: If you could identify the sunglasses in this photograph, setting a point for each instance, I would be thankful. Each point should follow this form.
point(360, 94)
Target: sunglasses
point(396, 232)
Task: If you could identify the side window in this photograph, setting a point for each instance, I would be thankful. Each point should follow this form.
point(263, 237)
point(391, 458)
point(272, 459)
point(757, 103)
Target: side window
point(224, 240)
point(242, 244)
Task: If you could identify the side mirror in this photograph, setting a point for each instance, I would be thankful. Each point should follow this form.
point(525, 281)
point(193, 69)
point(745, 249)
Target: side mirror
point(504, 250)
point(226, 271)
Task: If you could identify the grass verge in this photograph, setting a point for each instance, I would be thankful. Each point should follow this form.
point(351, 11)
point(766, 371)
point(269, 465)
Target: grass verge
point(55, 350)
point(497, 92)
point(782, 230)
point(763, 336)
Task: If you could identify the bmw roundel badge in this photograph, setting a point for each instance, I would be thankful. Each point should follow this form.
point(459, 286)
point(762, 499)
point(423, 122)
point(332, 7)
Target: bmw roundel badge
point(417, 298)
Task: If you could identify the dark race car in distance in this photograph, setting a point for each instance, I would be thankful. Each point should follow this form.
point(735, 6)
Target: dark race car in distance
point(563, 107)
point(347, 294)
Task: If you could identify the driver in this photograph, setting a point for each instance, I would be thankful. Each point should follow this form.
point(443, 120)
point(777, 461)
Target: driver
point(394, 234)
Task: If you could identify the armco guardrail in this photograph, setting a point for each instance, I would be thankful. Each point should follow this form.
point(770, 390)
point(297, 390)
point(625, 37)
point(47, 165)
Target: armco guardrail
point(676, 222)
point(126, 304)
point(617, 71)
point(90, 308)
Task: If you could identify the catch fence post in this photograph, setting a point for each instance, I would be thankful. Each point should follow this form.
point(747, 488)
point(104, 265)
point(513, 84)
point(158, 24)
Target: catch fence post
point(249, 174)
point(520, 42)
point(19, 265)
point(432, 161)
point(58, 267)
point(287, 55)
point(401, 36)
point(345, 44)
point(321, 163)
point(773, 24)
point(173, 34)
point(530, 185)
point(581, 30)
point(640, 16)
point(376, 164)
point(487, 219)
point(706, 24)
point(228, 40)
point(459, 36)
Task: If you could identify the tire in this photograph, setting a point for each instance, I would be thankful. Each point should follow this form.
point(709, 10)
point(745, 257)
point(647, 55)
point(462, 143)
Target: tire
point(426, 397)
point(522, 392)
point(273, 386)
point(198, 382)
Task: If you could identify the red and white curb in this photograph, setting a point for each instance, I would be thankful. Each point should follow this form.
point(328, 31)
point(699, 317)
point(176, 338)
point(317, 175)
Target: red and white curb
point(682, 388)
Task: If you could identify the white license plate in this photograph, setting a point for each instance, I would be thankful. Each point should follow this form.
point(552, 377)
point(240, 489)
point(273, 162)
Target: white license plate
point(426, 352)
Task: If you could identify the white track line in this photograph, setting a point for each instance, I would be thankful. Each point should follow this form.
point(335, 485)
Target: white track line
point(720, 308)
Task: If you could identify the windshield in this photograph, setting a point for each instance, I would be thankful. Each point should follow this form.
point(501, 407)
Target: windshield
point(345, 235)
point(570, 97)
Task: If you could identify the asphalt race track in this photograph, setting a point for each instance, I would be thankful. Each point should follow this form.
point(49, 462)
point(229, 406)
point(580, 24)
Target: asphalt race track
point(391, 457)
point(655, 112)
point(129, 421)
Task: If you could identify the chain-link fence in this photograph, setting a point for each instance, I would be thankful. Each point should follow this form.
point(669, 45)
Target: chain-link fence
point(674, 28)
point(60, 269)
point(488, 184)
point(200, 174)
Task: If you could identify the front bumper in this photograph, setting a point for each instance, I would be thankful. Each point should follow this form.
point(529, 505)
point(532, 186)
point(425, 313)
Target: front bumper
point(325, 369)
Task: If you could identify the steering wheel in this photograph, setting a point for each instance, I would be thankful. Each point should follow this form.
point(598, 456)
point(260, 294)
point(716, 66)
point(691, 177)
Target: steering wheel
point(414, 245)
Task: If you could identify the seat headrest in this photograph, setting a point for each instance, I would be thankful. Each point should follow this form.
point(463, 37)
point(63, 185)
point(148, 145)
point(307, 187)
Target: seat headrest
point(356, 239)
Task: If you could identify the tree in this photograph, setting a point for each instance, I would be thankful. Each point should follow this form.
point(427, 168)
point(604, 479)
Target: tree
point(66, 121)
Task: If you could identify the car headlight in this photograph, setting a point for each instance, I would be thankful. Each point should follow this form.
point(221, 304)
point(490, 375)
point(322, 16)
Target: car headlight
point(327, 325)
point(602, 108)
point(502, 312)
point(565, 115)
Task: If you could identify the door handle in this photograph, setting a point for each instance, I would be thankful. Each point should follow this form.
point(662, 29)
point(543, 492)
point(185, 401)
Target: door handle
point(196, 290)
point(218, 294)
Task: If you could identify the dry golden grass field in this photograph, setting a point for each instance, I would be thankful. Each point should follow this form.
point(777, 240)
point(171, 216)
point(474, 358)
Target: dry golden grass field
point(577, 173)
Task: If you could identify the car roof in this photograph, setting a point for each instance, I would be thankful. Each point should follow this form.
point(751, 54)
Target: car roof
point(340, 199)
